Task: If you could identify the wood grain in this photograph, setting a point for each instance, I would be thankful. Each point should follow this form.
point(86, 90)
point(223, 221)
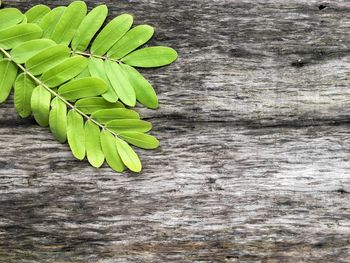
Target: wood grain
point(254, 158)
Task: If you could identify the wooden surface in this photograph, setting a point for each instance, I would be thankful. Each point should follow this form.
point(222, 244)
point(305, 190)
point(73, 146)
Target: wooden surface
point(255, 158)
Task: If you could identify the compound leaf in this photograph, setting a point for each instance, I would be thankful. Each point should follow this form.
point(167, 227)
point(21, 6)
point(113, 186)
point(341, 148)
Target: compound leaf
point(20, 54)
point(130, 125)
point(111, 33)
point(50, 20)
point(109, 148)
point(36, 13)
point(128, 156)
point(133, 39)
point(24, 87)
point(89, 27)
point(58, 119)
point(47, 58)
point(69, 22)
point(10, 17)
point(97, 69)
point(141, 140)
point(15, 35)
point(40, 39)
point(107, 115)
point(90, 105)
point(40, 104)
point(144, 91)
point(82, 88)
point(120, 83)
point(76, 134)
point(64, 71)
point(93, 144)
point(8, 74)
point(151, 57)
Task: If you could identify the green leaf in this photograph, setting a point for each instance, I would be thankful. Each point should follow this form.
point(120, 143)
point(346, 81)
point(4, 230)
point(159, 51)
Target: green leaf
point(140, 140)
point(97, 69)
point(112, 32)
point(69, 23)
point(151, 57)
point(76, 134)
point(8, 74)
point(145, 93)
point(133, 39)
point(109, 148)
point(58, 119)
point(66, 70)
point(120, 83)
point(40, 103)
point(131, 125)
point(89, 27)
point(36, 13)
point(82, 88)
point(84, 74)
point(10, 17)
point(13, 36)
point(20, 54)
point(24, 87)
point(50, 20)
point(93, 145)
point(107, 115)
point(90, 105)
point(24, 21)
point(128, 156)
point(47, 59)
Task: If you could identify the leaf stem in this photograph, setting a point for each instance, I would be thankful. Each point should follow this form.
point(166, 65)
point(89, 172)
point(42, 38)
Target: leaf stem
point(87, 54)
point(38, 81)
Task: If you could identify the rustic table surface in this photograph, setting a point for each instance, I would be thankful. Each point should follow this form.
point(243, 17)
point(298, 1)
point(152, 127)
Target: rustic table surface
point(254, 163)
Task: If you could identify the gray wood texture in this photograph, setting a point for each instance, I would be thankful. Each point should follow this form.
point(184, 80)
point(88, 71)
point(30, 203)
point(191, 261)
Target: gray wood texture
point(254, 163)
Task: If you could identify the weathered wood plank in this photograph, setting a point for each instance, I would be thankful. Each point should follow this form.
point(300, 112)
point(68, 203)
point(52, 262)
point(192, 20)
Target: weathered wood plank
point(261, 63)
point(278, 194)
point(223, 187)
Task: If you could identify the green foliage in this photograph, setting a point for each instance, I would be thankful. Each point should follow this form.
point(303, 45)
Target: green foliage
point(24, 87)
point(23, 52)
point(120, 83)
point(15, 35)
point(89, 27)
point(36, 13)
point(111, 34)
point(125, 125)
point(81, 94)
point(58, 119)
point(76, 134)
point(69, 22)
point(107, 115)
point(133, 39)
point(94, 152)
point(97, 69)
point(150, 57)
point(93, 104)
point(10, 17)
point(109, 148)
point(50, 20)
point(8, 73)
point(40, 104)
point(64, 71)
point(47, 59)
